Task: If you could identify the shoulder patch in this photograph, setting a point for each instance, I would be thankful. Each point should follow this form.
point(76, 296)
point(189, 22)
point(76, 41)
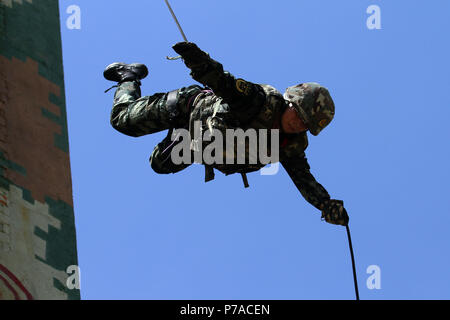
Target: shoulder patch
point(243, 86)
point(323, 123)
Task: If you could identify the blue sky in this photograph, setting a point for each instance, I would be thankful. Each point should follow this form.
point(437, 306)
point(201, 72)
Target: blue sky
point(142, 235)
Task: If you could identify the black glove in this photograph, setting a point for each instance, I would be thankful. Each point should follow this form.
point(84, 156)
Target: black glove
point(191, 54)
point(203, 69)
point(335, 213)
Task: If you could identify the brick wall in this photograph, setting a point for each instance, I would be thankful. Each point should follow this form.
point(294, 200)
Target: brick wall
point(37, 229)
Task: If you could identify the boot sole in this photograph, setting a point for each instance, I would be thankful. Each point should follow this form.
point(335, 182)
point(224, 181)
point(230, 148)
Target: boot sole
point(110, 72)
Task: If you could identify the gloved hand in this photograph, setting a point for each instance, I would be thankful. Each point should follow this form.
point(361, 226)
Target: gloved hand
point(335, 213)
point(203, 69)
point(191, 54)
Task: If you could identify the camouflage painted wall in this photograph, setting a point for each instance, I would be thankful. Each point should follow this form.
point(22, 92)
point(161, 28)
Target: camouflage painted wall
point(37, 230)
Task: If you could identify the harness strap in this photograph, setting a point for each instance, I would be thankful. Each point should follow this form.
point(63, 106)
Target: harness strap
point(244, 179)
point(209, 170)
point(171, 103)
point(209, 173)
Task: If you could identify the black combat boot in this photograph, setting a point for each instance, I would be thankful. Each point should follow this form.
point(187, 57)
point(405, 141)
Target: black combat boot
point(121, 72)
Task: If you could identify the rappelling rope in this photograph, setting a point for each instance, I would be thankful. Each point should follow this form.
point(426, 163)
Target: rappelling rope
point(179, 27)
point(355, 280)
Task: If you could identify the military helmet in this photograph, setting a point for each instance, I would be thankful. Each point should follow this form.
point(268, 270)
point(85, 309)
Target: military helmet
point(313, 103)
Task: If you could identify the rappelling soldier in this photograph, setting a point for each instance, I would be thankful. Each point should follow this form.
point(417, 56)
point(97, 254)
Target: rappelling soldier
point(227, 103)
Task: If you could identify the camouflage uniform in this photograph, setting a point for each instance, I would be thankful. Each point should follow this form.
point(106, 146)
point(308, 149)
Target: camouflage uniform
point(136, 116)
point(227, 102)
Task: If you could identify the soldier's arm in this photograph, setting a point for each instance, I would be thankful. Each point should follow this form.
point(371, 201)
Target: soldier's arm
point(294, 161)
point(299, 171)
point(238, 93)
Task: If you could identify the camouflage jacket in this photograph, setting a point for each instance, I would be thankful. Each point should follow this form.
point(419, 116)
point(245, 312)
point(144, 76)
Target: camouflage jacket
point(232, 103)
point(259, 107)
point(237, 103)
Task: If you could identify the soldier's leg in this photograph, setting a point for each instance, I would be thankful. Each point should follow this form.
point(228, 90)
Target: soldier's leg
point(160, 160)
point(136, 116)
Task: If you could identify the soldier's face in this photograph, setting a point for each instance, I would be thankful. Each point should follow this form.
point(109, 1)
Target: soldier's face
point(291, 122)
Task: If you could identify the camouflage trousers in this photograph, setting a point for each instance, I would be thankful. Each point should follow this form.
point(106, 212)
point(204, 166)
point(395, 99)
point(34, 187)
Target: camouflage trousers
point(136, 116)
